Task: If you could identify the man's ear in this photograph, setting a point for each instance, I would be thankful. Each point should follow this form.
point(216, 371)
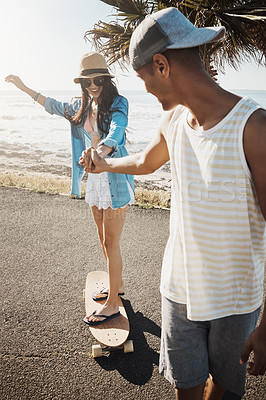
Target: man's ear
point(161, 65)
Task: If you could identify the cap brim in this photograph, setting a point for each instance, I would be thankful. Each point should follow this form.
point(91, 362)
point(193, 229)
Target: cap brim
point(199, 37)
point(77, 80)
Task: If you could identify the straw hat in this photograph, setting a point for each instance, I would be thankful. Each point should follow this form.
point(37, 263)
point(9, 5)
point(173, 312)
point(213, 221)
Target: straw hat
point(92, 64)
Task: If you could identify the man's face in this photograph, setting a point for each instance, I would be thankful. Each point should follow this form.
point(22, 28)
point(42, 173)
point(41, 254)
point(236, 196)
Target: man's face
point(158, 86)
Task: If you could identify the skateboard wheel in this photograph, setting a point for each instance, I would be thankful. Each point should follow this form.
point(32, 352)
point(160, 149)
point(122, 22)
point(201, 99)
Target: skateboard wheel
point(84, 293)
point(97, 351)
point(128, 346)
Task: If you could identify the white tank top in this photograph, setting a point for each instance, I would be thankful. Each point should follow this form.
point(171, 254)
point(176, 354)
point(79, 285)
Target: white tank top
point(214, 258)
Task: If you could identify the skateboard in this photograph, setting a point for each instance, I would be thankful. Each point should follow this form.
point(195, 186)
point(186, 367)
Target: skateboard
point(112, 334)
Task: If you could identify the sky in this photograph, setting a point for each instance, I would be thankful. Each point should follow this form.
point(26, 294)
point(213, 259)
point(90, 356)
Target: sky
point(42, 42)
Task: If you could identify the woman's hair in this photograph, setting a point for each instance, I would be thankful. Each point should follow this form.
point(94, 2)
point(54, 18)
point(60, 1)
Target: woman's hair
point(105, 101)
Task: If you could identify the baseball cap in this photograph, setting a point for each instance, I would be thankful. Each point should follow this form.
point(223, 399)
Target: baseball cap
point(167, 29)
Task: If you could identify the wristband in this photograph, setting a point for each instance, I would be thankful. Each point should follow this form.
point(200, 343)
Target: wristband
point(36, 96)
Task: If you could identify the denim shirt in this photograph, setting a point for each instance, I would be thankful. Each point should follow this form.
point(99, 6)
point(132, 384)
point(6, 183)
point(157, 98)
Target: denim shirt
point(115, 124)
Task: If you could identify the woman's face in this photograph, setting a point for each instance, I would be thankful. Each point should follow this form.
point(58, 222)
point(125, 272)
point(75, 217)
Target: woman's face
point(94, 86)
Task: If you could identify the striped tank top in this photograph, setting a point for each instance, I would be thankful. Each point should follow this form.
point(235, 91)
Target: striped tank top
point(214, 258)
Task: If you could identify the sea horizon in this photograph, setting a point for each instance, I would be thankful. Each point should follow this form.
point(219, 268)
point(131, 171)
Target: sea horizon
point(122, 90)
point(38, 141)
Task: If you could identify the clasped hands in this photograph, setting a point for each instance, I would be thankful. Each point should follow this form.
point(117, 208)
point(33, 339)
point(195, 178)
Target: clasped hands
point(90, 160)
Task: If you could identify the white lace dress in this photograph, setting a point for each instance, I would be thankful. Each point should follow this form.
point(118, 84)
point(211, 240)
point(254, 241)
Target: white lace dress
point(97, 189)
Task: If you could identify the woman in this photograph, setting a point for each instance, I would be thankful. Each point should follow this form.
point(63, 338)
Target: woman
point(99, 119)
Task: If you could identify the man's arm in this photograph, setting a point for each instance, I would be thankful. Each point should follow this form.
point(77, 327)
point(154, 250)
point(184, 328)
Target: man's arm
point(255, 151)
point(153, 157)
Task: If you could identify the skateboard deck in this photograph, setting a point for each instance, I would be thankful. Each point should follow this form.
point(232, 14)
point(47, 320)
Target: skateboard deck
point(113, 333)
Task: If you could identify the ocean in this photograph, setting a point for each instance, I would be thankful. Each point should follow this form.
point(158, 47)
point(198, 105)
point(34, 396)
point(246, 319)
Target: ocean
point(31, 139)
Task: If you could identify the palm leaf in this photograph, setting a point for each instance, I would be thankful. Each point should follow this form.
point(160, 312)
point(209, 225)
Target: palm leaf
point(251, 17)
point(245, 22)
point(129, 8)
point(113, 41)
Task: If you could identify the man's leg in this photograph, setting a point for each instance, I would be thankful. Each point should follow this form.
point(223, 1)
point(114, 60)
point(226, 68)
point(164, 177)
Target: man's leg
point(194, 393)
point(231, 396)
point(226, 340)
point(184, 351)
point(211, 390)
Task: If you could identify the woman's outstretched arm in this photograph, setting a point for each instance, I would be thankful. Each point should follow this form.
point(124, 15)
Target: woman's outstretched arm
point(52, 106)
point(20, 85)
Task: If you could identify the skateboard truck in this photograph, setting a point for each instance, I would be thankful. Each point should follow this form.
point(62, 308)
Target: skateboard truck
point(100, 351)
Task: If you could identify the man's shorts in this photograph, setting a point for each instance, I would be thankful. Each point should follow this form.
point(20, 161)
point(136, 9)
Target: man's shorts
point(190, 350)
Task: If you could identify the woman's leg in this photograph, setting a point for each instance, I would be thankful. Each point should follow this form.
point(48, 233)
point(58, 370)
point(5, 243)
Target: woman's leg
point(98, 219)
point(113, 222)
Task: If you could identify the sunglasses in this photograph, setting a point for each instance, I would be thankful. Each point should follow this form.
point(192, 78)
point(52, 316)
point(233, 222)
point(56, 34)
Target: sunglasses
point(97, 81)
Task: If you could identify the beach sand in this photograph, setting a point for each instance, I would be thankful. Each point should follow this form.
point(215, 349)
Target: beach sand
point(45, 173)
point(46, 163)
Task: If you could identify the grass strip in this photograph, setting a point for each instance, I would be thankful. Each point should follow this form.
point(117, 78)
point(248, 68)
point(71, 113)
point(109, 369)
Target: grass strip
point(44, 183)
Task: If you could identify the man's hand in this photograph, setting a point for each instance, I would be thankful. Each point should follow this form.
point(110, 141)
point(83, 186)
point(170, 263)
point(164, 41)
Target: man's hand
point(91, 161)
point(256, 343)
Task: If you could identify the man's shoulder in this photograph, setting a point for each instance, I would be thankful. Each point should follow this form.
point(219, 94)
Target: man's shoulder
point(255, 129)
point(257, 120)
point(170, 116)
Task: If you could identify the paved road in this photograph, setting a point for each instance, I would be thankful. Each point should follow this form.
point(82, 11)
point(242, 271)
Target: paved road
point(48, 245)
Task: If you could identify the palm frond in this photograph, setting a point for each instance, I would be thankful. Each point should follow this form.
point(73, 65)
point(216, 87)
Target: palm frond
point(112, 40)
point(245, 22)
point(129, 9)
point(251, 16)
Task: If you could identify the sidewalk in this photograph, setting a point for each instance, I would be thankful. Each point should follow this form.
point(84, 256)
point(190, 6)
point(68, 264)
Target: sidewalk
point(49, 244)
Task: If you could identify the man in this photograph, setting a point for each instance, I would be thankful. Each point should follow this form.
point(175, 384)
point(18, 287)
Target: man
point(213, 265)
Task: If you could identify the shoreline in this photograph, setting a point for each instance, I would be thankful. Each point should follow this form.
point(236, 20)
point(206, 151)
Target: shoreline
point(150, 192)
point(48, 164)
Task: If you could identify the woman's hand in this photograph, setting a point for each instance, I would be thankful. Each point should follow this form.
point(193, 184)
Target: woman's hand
point(85, 160)
point(20, 85)
point(16, 81)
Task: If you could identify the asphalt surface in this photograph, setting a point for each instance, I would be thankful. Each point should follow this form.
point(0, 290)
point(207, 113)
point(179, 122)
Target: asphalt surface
point(48, 245)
